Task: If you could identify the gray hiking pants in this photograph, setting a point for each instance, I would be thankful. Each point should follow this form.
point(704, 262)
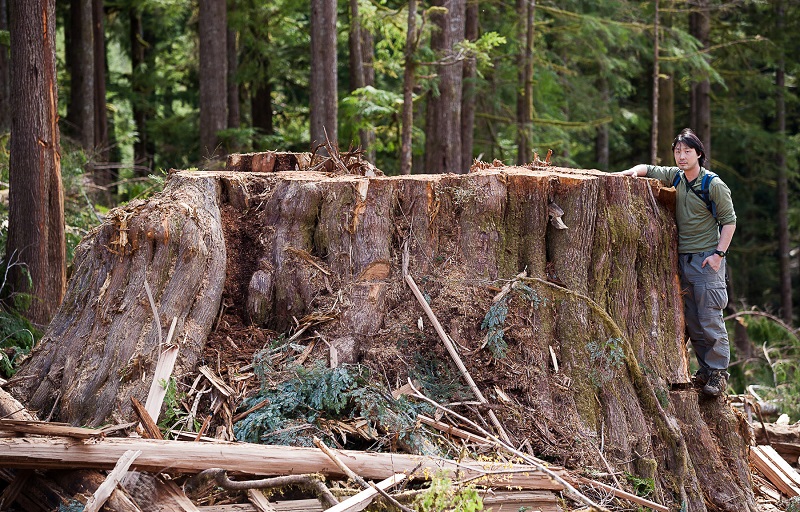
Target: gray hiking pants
point(704, 297)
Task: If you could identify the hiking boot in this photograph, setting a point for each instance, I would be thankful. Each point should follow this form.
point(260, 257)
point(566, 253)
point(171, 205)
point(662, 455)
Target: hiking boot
point(701, 376)
point(717, 383)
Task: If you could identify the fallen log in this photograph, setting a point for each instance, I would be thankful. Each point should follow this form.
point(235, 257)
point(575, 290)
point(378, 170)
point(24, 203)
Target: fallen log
point(243, 458)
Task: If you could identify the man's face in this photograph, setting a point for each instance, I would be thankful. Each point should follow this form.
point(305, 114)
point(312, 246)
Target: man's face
point(685, 157)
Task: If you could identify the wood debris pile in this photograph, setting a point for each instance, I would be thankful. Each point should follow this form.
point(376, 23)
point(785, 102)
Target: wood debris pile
point(132, 467)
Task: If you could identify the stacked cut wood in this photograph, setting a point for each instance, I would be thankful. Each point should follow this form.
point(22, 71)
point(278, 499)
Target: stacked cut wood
point(576, 271)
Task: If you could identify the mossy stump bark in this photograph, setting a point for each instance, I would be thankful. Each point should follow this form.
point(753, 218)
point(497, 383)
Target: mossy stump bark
point(590, 358)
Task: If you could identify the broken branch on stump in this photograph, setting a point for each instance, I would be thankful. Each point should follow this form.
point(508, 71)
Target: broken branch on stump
point(452, 351)
point(149, 426)
point(508, 287)
point(256, 407)
point(354, 477)
point(309, 481)
point(215, 381)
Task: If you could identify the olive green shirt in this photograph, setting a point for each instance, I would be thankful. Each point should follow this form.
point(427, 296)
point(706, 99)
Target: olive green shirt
point(698, 231)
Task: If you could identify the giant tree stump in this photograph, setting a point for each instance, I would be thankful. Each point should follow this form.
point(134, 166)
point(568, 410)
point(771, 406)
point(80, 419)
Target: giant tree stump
point(295, 246)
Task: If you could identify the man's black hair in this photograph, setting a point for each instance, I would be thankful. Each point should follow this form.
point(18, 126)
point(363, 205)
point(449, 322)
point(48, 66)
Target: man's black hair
point(688, 138)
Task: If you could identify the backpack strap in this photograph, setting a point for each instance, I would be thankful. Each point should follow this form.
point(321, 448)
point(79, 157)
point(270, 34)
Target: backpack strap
point(704, 192)
point(677, 179)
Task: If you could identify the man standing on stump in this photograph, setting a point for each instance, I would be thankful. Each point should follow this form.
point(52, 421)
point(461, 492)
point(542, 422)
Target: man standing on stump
point(706, 222)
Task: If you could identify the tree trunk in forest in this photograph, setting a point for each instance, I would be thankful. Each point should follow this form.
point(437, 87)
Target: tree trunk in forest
point(666, 118)
point(666, 106)
point(361, 70)
point(526, 16)
point(100, 66)
point(443, 116)
point(468, 99)
point(656, 73)
point(81, 109)
point(261, 105)
point(368, 137)
point(103, 176)
point(141, 156)
point(784, 239)
point(234, 112)
point(36, 203)
point(324, 101)
point(5, 74)
point(602, 295)
point(213, 75)
point(700, 92)
point(601, 149)
point(406, 141)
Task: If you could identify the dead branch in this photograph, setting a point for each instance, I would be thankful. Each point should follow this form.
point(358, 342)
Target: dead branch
point(794, 332)
point(149, 426)
point(454, 354)
point(312, 482)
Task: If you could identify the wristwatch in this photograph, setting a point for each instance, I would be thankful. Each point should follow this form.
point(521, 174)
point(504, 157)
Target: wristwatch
point(721, 253)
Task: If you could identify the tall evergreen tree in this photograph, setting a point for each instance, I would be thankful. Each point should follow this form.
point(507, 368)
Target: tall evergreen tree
point(213, 74)
point(468, 99)
point(5, 76)
point(406, 159)
point(784, 240)
point(361, 70)
point(526, 12)
point(324, 92)
point(141, 156)
point(36, 249)
point(443, 115)
point(700, 28)
point(81, 109)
